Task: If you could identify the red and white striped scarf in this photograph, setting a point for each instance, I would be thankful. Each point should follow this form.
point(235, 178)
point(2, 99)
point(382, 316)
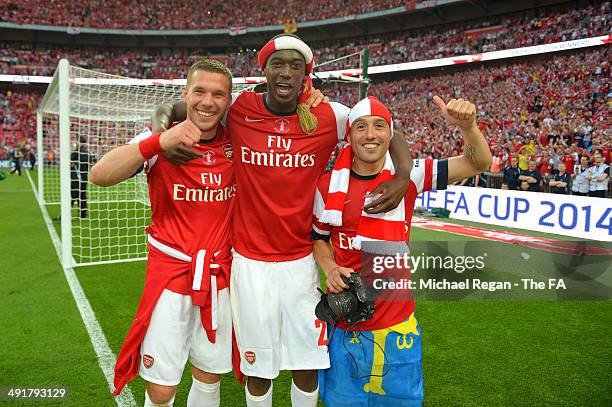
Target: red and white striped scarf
point(388, 226)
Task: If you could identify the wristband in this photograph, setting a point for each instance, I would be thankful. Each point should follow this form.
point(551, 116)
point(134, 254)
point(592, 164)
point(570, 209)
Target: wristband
point(150, 146)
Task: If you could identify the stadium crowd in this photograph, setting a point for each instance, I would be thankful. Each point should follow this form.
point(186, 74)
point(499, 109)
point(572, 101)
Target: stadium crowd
point(17, 121)
point(461, 39)
point(181, 14)
point(549, 111)
point(486, 35)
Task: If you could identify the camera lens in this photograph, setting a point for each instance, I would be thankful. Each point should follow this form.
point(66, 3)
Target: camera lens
point(332, 307)
point(324, 313)
point(344, 303)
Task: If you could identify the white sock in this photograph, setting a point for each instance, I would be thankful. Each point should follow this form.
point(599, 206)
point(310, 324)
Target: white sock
point(149, 403)
point(299, 398)
point(259, 401)
point(204, 394)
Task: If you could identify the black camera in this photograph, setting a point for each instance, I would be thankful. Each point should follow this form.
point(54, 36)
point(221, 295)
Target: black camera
point(355, 304)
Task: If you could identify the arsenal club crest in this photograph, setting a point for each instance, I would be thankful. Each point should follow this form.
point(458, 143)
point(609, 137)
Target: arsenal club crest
point(147, 361)
point(227, 150)
point(281, 126)
point(249, 356)
point(208, 157)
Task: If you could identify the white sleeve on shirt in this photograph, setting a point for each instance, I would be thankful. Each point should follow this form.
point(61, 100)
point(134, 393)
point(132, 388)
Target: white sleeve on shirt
point(429, 174)
point(224, 118)
point(341, 112)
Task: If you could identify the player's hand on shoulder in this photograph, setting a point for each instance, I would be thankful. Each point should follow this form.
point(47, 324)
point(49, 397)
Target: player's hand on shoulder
point(161, 118)
point(181, 155)
point(458, 112)
point(391, 194)
point(316, 98)
point(335, 284)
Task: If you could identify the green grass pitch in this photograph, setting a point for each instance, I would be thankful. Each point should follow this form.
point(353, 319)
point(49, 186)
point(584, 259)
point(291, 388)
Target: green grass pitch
point(514, 353)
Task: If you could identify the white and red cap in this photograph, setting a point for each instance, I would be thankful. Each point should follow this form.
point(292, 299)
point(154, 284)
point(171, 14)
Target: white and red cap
point(286, 42)
point(369, 106)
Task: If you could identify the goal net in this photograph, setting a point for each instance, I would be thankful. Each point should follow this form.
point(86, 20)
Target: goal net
point(83, 115)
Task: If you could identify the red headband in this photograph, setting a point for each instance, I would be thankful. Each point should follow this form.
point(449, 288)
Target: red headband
point(286, 42)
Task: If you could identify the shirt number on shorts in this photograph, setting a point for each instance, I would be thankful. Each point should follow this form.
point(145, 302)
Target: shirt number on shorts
point(323, 326)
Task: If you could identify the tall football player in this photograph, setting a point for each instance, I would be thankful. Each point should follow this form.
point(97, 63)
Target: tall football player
point(185, 311)
point(281, 148)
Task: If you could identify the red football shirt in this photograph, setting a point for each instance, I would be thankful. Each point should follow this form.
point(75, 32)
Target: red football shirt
point(543, 167)
point(277, 168)
point(191, 204)
point(427, 174)
point(569, 163)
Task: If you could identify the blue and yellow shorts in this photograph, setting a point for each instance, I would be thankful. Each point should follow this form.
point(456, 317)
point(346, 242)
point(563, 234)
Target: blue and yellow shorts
point(374, 368)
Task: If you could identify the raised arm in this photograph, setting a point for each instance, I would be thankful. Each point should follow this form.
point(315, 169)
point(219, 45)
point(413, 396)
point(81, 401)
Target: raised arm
point(117, 165)
point(476, 156)
point(123, 162)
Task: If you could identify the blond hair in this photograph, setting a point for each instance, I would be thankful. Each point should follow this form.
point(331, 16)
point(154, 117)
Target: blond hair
point(209, 65)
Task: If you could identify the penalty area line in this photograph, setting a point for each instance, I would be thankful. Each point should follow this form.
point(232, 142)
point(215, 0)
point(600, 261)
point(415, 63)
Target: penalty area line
point(106, 357)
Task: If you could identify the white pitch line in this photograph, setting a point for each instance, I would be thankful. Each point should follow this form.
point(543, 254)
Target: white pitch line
point(106, 357)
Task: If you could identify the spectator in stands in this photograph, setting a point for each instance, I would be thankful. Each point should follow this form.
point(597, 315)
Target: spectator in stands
point(598, 176)
point(560, 182)
point(512, 173)
point(544, 161)
point(570, 159)
point(532, 176)
point(179, 14)
point(580, 183)
point(523, 158)
point(496, 163)
point(525, 186)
